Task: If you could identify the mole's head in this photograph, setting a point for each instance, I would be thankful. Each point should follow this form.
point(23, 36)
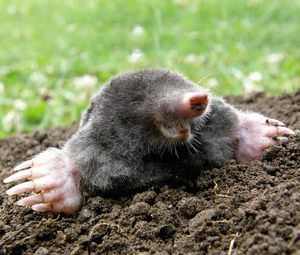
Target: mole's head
point(159, 107)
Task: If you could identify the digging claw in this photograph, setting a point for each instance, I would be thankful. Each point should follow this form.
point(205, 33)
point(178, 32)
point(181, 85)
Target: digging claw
point(42, 207)
point(35, 185)
point(257, 133)
point(280, 139)
point(25, 174)
point(20, 188)
point(274, 122)
point(24, 165)
point(54, 177)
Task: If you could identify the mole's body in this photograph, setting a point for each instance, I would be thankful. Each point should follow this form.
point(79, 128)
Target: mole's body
point(141, 129)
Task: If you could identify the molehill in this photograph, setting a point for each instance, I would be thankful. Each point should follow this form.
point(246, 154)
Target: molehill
point(237, 209)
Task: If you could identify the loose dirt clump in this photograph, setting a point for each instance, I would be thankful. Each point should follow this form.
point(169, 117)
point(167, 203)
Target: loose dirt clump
point(237, 209)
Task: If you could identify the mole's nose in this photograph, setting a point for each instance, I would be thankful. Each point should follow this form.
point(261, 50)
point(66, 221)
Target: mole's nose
point(193, 104)
point(199, 101)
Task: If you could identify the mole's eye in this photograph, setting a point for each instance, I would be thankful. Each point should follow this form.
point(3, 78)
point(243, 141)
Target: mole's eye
point(91, 108)
point(137, 99)
point(88, 114)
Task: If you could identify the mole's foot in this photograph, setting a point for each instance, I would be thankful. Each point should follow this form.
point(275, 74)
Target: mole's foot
point(257, 133)
point(53, 180)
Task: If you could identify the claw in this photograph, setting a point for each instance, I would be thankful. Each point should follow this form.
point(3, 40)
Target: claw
point(29, 201)
point(42, 197)
point(24, 165)
point(29, 174)
point(286, 131)
point(42, 207)
point(20, 188)
point(25, 174)
point(37, 185)
point(272, 130)
point(274, 122)
point(280, 139)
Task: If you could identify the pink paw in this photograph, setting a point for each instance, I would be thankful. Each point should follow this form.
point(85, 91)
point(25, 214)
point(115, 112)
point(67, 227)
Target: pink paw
point(257, 133)
point(53, 179)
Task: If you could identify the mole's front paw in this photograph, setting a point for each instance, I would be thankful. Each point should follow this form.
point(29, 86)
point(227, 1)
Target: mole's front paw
point(257, 133)
point(53, 179)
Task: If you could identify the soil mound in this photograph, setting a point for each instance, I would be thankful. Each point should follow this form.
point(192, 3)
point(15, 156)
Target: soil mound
point(237, 209)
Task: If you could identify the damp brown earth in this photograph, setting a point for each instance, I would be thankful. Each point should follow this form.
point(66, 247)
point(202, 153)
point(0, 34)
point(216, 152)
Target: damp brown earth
point(237, 209)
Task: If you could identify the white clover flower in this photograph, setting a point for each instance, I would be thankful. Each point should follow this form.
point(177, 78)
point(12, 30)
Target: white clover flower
point(43, 90)
point(191, 58)
point(70, 96)
point(135, 56)
point(83, 97)
point(9, 120)
point(255, 77)
point(237, 73)
point(45, 94)
point(202, 58)
point(4, 70)
point(138, 31)
point(12, 9)
point(2, 89)
point(212, 83)
point(218, 48)
point(16, 34)
point(73, 51)
point(20, 105)
point(85, 82)
point(71, 27)
point(274, 58)
point(250, 86)
point(247, 23)
point(49, 69)
point(38, 77)
point(64, 65)
point(251, 82)
point(255, 2)
point(84, 55)
point(33, 65)
point(180, 2)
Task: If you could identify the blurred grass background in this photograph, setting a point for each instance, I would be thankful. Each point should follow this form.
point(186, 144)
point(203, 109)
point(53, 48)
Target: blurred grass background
point(55, 54)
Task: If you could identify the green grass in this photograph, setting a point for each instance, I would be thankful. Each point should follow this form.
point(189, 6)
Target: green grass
point(231, 46)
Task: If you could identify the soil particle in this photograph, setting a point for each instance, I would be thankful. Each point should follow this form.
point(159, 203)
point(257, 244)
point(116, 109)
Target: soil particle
point(190, 206)
point(256, 205)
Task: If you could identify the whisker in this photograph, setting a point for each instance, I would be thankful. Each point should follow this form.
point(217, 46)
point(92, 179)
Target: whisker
point(196, 142)
point(187, 146)
point(163, 148)
point(103, 92)
point(176, 153)
point(203, 79)
point(193, 147)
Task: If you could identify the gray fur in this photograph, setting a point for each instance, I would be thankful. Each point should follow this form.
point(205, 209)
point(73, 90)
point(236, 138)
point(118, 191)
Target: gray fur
point(118, 148)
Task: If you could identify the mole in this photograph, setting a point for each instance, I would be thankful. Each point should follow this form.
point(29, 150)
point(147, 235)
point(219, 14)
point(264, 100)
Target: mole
point(141, 129)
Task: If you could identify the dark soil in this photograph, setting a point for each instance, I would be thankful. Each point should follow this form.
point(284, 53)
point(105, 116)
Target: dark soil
point(237, 209)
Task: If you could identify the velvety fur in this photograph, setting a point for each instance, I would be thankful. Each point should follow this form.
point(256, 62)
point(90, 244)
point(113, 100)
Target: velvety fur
point(118, 146)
